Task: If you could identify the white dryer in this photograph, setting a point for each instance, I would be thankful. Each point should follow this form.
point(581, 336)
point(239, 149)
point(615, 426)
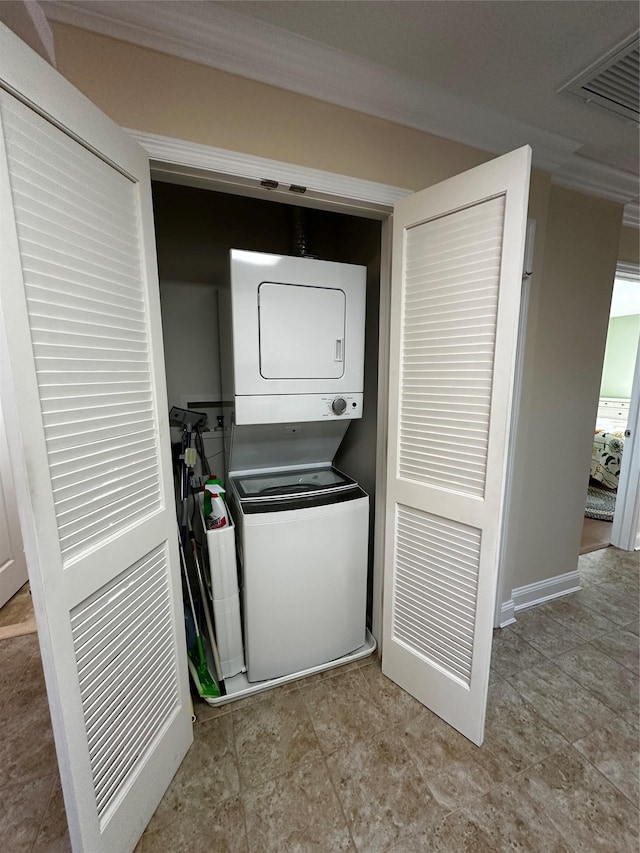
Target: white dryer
point(292, 346)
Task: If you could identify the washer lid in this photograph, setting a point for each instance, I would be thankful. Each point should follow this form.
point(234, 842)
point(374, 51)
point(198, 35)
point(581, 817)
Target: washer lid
point(284, 485)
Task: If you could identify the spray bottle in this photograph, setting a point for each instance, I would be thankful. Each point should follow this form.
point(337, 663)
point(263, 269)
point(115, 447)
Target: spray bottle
point(215, 511)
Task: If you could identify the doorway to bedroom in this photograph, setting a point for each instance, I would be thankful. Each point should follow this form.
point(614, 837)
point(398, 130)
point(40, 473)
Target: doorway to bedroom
point(615, 405)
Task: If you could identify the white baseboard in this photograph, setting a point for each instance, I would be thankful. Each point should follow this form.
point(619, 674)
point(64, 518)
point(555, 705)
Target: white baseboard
point(536, 593)
point(545, 590)
point(507, 614)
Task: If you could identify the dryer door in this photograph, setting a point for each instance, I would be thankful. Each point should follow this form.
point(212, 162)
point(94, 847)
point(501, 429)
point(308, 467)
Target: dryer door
point(302, 331)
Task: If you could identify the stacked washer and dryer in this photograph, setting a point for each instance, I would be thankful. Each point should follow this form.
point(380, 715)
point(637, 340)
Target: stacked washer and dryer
point(292, 354)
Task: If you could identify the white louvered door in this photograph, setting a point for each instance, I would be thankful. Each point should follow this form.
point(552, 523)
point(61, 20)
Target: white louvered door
point(456, 276)
point(82, 385)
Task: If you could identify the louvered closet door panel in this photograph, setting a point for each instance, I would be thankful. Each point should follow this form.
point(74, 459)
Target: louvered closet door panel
point(436, 589)
point(115, 651)
point(77, 228)
point(450, 310)
point(82, 362)
point(457, 270)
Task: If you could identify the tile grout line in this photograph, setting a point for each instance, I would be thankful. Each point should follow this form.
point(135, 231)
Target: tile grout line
point(555, 621)
point(597, 612)
point(582, 642)
point(580, 605)
point(240, 785)
point(518, 777)
point(511, 780)
point(582, 687)
point(597, 769)
point(397, 727)
point(532, 708)
point(389, 727)
point(593, 639)
point(526, 642)
point(44, 813)
point(338, 798)
point(394, 845)
point(323, 758)
point(19, 680)
point(615, 660)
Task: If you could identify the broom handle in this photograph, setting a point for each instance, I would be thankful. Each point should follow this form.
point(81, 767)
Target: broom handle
point(183, 565)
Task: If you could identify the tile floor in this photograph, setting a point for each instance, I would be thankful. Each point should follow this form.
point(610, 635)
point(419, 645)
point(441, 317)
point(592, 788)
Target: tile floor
point(16, 617)
point(349, 762)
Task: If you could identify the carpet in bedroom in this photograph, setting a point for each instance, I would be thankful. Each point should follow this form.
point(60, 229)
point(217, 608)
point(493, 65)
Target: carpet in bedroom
point(601, 503)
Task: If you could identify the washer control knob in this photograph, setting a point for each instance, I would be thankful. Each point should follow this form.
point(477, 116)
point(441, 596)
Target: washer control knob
point(339, 406)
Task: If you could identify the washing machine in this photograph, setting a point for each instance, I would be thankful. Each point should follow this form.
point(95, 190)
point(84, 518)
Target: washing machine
point(302, 547)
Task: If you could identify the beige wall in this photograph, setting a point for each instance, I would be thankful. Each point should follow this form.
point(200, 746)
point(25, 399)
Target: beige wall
point(145, 90)
point(558, 414)
point(629, 248)
point(577, 245)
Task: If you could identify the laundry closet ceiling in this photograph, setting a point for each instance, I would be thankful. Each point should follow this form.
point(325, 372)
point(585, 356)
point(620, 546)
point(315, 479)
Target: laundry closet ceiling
point(490, 74)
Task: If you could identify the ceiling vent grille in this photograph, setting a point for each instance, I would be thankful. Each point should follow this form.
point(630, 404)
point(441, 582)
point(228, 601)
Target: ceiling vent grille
point(613, 82)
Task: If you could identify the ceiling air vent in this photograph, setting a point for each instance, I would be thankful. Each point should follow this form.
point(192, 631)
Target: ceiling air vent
point(612, 82)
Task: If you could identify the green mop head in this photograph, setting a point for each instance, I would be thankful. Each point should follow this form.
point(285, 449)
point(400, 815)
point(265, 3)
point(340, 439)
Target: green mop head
point(202, 678)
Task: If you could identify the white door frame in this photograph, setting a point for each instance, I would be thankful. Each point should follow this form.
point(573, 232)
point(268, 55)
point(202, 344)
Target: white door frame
point(505, 608)
point(625, 531)
point(191, 164)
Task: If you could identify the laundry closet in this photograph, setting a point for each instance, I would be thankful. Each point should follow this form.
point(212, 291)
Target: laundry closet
point(196, 231)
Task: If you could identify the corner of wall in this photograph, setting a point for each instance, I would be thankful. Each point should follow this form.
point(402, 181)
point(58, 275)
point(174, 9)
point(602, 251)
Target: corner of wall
point(28, 22)
point(563, 363)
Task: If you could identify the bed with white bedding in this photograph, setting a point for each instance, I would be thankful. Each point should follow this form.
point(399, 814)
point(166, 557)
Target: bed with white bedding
point(606, 457)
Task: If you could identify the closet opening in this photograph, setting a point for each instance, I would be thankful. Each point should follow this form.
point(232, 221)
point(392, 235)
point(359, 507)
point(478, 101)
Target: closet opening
point(196, 228)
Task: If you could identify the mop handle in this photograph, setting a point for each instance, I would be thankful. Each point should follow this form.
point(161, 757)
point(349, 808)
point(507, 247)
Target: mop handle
point(205, 607)
point(183, 564)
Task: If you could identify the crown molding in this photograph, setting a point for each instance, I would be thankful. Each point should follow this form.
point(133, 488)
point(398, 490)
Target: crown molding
point(604, 181)
point(631, 217)
point(595, 178)
point(249, 48)
point(628, 270)
point(236, 165)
